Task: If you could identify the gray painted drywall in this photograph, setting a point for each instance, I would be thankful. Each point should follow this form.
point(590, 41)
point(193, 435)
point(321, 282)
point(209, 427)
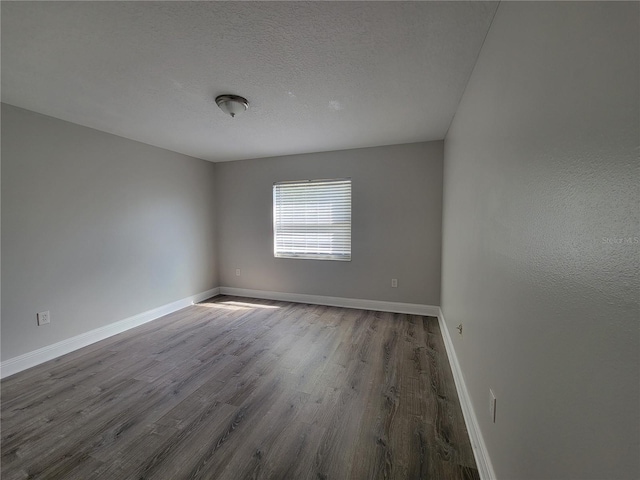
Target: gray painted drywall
point(396, 224)
point(540, 245)
point(96, 228)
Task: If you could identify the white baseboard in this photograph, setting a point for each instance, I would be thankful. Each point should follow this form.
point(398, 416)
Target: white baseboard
point(485, 468)
point(377, 305)
point(44, 354)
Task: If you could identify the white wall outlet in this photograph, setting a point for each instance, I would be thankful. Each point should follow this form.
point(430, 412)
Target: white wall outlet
point(492, 406)
point(237, 272)
point(44, 318)
point(394, 282)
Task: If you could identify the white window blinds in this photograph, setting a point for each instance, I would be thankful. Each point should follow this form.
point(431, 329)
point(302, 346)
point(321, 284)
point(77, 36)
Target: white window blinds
point(312, 219)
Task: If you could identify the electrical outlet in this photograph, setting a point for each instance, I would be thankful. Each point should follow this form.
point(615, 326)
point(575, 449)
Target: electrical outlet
point(237, 272)
point(492, 406)
point(394, 283)
point(44, 318)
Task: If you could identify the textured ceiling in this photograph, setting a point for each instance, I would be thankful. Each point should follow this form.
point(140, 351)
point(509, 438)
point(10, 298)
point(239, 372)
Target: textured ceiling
point(318, 75)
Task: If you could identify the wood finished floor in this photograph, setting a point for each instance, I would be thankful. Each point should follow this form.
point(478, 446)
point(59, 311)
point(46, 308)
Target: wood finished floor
point(236, 388)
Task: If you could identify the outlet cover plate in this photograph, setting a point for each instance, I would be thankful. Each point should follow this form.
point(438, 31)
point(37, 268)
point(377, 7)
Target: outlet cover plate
point(492, 405)
point(44, 318)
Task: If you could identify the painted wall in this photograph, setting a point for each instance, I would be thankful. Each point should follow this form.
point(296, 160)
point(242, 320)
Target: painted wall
point(396, 224)
point(96, 228)
point(540, 244)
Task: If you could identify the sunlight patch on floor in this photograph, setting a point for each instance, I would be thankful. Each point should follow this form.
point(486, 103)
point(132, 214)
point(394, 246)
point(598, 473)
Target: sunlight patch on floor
point(250, 305)
point(233, 305)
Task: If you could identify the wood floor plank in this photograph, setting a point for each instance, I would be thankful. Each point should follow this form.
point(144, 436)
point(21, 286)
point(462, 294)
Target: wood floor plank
point(237, 388)
point(252, 453)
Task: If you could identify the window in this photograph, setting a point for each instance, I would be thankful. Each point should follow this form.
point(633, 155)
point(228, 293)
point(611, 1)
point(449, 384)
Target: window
point(312, 219)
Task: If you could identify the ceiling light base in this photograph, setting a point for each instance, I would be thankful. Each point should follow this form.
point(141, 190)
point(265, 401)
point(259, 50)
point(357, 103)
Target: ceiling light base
point(232, 104)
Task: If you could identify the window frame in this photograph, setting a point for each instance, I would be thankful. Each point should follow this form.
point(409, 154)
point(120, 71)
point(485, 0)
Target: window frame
point(341, 257)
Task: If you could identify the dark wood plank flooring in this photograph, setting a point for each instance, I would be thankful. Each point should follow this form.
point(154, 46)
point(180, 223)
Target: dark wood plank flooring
point(237, 388)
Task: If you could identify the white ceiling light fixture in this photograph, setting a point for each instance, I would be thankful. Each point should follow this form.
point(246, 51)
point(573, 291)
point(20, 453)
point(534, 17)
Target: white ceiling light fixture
point(232, 104)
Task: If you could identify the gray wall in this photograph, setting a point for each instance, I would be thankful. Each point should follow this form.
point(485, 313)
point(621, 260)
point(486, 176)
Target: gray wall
point(540, 257)
point(96, 228)
point(396, 224)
